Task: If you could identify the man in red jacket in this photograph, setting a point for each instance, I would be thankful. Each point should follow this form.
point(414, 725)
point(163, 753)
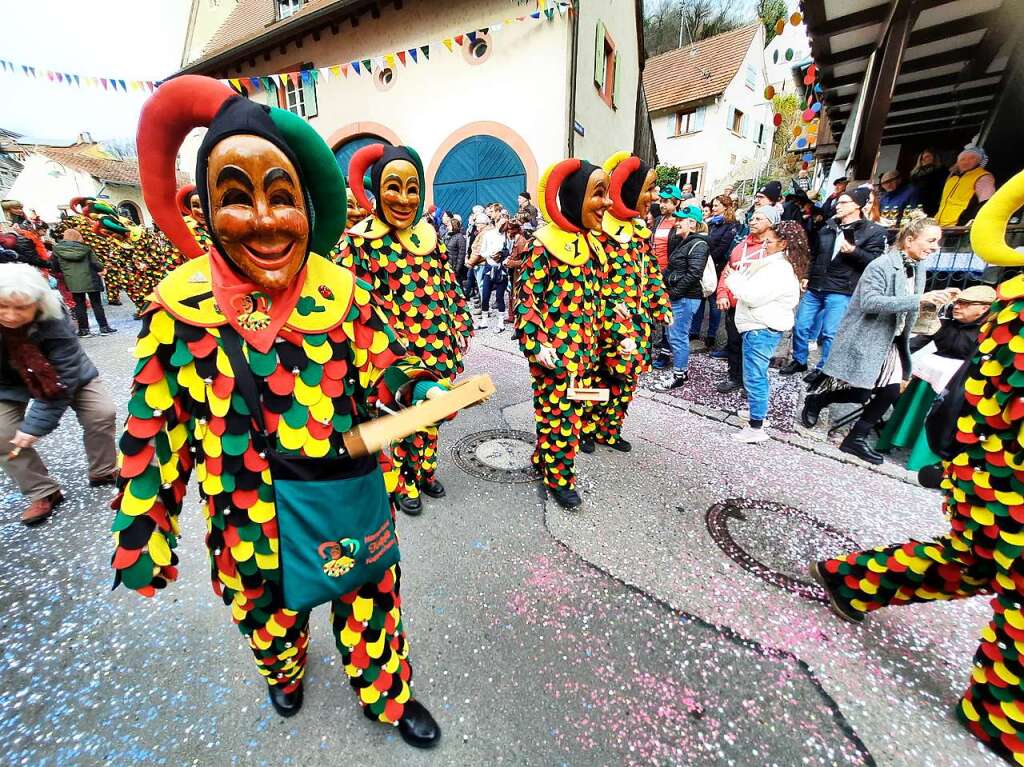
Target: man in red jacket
point(751, 249)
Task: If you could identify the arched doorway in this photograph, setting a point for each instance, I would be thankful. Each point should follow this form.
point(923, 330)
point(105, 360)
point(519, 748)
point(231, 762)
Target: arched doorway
point(476, 171)
point(130, 210)
point(344, 151)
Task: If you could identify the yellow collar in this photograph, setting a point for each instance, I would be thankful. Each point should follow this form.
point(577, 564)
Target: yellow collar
point(619, 230)
point(187, 294)
point(419, 239)
point(568, 247)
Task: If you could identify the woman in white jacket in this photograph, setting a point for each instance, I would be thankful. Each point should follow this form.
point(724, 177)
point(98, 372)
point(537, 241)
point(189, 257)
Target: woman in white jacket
point(767, 292)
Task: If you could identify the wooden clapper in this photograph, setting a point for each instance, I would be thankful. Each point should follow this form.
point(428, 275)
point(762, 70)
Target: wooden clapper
point(373, 436)
point(584, 394)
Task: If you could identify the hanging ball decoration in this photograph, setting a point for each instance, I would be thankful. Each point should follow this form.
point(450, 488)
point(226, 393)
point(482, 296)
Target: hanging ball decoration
point(812, 70)
point(816, 107)
point(805, 165)
point(777, 119)
point(797, 131)
point(780, 26)
point(808, 156)
point(817, 88)
point(769, 92)
point(801, 142)
point(808, 115)
point(809, 78)
point(789, 54)
point(795, 19)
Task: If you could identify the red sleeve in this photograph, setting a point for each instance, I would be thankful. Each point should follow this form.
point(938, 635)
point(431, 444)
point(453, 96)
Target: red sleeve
point(722, 291)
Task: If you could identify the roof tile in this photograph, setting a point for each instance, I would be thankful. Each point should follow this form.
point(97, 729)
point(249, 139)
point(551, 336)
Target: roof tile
point(696, 71)
point(91, 159)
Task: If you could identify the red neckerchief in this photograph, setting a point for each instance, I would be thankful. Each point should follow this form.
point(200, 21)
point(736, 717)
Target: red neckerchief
point(256, 314)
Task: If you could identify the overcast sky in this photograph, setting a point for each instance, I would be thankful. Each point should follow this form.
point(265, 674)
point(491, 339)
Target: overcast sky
point(136, 40)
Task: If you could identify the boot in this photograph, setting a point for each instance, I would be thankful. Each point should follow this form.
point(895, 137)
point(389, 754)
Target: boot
point(587, 445)
point(433, 488)
point(286, 703)
point(856, 443)
point(417, 727)
point(566, 497)
point(42, 508)
point(499, 323)
point(812, 410)
point(840, 606)
point(411, 506)
point(792, 367)
point(483, 320)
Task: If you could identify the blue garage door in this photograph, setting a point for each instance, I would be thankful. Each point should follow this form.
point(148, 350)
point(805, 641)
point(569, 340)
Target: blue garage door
point(477, 171)
point(344, 152)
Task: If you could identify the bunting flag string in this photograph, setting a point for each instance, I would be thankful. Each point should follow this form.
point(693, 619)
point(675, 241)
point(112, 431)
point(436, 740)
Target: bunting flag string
point(546, 10)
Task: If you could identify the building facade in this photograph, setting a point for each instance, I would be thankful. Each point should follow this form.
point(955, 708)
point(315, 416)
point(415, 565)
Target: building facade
point(708, 110)
point(487, 117)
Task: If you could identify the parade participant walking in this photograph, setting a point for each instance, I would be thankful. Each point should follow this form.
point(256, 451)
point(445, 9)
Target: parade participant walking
point(557, 317)
point(871, 358)
point(767, 291)
point(41, 361)
point(751, 249)
point(397, 252)
point(254, 360)
point(191, 208)
point(981, 553)
point(689, 252)
point(633, 298)
point(83, 274)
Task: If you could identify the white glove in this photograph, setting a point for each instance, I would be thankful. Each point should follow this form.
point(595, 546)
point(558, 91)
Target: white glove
point(547, 357)
point(627, 346)
point(621, 311)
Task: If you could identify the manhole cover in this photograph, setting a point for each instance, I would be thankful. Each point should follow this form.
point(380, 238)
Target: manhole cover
point(499, 455)
point(775, 542)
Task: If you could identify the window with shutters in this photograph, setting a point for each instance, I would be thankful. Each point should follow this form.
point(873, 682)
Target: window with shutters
point(736, 123)
point(689, 121)
point(693, 177)
point(750, 77)
point(294, 101)
point(606, 67)
point(299, 99)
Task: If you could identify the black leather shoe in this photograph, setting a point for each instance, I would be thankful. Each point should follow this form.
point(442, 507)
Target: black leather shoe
point(856, 444)
point(286, 703)
point(792, 367)
point(621, 445)
point(812, 378)
point(587, 446)
point(565, 497)
point(839, 606)
point(729, 385)
point(411, 506)
point(107, 331)
point(433, 488)
point(812, 410)
point(417, 727)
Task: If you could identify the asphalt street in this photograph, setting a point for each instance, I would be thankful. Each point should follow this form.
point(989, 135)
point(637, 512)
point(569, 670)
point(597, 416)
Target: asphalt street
point(669, 622)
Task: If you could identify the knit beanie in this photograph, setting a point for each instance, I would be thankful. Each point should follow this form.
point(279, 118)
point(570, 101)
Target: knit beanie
point(772, 190)
point(770, 212)
point(860, 195)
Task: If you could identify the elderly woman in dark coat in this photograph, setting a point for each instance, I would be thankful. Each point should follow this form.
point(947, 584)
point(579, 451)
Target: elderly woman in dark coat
point(870, 360)
point(42, 361)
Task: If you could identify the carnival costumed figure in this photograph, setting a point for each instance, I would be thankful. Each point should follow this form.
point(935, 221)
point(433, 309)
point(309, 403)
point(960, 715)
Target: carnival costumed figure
point(396, 250)
point(190, 207)
point(558, 315)
point(984, 501)
point(107, 233)
point(633, 299)
point(260, 318)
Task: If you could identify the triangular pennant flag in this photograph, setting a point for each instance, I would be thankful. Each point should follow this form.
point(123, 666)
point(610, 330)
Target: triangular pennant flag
point(459, 39)
point(266, 83)
point(390, 61)
point(412, 52)
point(314, 75)
point(124, 87)
point(447, 43)
point(294, 77)
point(497, 27)
point(284, 80)
point(355, 66)
point(401, 56)
point(535, 15)
point(325, 72)
point(235, 83)
point(344, 70)
point(77, 81)
point(305, 76)
point(550, 13)
point(337, 70)
point(254, 82)
point(378, 64)
point(367, 65)
point(472, 37)
point(151, 85)
point(104, 81)
point(426, 51)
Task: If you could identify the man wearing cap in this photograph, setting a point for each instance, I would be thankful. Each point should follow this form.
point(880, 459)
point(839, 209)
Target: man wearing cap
point(751, 249)
point(844, 246)
point(828, 208)
point(967, 187)
point(896, 195)
point(957, 336)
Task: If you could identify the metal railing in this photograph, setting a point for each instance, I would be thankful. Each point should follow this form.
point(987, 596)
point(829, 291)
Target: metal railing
point(957, 266)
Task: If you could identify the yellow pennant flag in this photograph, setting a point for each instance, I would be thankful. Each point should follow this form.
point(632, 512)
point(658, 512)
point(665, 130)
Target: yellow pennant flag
point(448, 44)
point(336, 70)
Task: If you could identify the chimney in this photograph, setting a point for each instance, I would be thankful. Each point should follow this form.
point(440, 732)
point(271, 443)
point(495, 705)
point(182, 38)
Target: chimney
point(85, 137)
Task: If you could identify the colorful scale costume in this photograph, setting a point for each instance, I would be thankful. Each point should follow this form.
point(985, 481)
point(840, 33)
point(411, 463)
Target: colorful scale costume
point(984, 489)
point(417, 291)
point(560, 286)
point(319, 367)
point(634, 280)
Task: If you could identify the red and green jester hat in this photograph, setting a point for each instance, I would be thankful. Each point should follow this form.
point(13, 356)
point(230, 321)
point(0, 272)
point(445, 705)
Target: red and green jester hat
point(396, 251)
point(633, 297)
point(559, 316)
point(321, 354)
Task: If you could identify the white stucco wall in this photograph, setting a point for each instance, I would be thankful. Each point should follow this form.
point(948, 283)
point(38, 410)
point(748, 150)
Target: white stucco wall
point(45, 185)
point(522, 86)
point(721, 154)
point(606, 129)
point(794, 38)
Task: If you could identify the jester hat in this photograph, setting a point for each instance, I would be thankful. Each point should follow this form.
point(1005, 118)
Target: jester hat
point(193, 101)
point(369, 162)
point(561, 192)
point(627, 174)
point(183, 197)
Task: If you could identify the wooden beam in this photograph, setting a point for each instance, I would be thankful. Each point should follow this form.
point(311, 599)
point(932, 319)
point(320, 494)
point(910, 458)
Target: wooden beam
point(868, 17)
point(917, 65)
point(945, 130)
point(929, 101)
point(919, 119)
point(1007, 25)
point(882, 83)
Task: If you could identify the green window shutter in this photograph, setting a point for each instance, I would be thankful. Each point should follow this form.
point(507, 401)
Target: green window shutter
point(618, 78)
point(309, 97)
point(599, 56)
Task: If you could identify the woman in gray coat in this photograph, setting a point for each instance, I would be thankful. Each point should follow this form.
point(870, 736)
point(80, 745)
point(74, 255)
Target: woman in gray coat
point(870, 359)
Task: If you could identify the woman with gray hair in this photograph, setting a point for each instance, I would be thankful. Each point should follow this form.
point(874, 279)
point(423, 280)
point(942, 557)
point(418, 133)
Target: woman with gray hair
point(42, 361)
point(870, 359)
